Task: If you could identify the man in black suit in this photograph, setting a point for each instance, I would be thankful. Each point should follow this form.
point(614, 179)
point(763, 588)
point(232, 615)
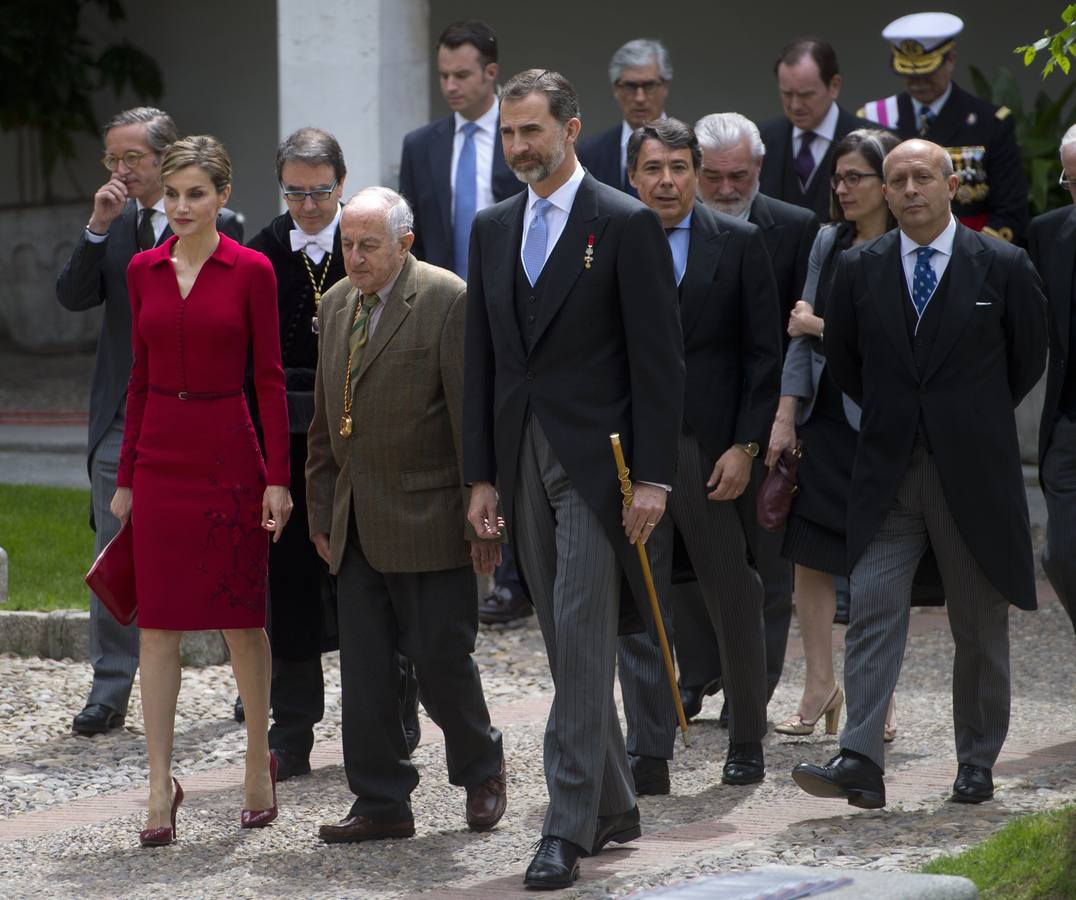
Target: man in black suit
point(732, 347)
point(572, 334)
point(1052, 245)
point(937, 333)
point(640, 73)
point(128, 216)
point(732, 155)
point(444, 204)
point(980, 137)
point(799, 145)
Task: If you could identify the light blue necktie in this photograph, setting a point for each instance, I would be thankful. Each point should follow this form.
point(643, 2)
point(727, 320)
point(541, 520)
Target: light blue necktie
point(924, 279)
point(678, 244)
point(534, 248)
point(465, 201)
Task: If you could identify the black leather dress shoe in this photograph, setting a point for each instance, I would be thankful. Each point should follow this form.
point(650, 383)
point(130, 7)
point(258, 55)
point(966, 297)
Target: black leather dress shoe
point(238, 711)
point(618, 829)
point(555, 864)
point(650, 774)
point(506, 604)
point(96, 718)
point(745, 764)
point(290, 765)
point(973, 784)
point(848, 775)
point(691, 696)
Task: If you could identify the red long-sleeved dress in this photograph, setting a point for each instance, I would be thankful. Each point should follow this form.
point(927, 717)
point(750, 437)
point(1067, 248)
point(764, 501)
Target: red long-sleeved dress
point(190, 453)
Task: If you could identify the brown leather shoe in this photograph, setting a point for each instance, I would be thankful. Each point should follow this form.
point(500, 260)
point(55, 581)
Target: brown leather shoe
point(486, 802)
point(354, 829)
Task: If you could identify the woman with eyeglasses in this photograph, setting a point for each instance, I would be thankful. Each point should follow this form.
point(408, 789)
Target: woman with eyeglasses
point(192, 481)
point(827, 422)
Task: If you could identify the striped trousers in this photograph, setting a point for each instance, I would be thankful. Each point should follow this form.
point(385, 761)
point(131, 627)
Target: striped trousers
point(713, 534)
point(574, 578)
point(881, 586)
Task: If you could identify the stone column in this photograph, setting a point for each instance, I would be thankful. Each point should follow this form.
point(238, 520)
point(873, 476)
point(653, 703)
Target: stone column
point(360, 69)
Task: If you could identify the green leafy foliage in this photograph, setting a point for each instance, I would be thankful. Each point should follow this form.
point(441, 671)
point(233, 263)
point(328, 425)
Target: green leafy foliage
point(1060, 45)
point(1038, 132)
point(1031, 858)
point(51, 71)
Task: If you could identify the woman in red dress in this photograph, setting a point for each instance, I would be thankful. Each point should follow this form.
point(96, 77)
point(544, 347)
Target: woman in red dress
point(191, 477)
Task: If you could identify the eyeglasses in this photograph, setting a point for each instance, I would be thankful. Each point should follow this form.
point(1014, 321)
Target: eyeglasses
point(129, 159)
point(647, 87)
point(851, 178)
point(1066, 183)
point(318, 196)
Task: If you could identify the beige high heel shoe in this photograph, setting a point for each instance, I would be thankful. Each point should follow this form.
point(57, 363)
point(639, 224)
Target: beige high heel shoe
point(890, 732)
point(831, 709)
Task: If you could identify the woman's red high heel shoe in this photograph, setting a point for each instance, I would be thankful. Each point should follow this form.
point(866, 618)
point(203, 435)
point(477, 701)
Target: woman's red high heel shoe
point(162, 837)
point(259, 818)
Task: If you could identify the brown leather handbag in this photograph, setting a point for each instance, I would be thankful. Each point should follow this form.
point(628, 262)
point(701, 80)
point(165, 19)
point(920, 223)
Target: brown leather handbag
point(774, 501)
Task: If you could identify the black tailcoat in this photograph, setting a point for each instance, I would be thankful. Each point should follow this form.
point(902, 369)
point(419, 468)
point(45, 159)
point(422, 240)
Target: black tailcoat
point(789, 232)
point(732, 333)
point(607, 355)
point(989, 350)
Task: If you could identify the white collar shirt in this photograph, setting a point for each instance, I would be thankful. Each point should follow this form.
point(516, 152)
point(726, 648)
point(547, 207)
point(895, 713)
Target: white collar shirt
point(823, 137)
point(483, 150)
point(556, 216)
point(316, 245)
point(939, 260)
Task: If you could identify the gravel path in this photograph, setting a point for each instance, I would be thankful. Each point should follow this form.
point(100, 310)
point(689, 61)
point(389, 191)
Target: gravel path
point(706, 825)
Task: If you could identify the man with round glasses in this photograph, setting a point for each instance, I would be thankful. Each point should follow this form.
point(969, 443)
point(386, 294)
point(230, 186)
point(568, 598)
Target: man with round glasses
point(128, 216)
point(640, 73)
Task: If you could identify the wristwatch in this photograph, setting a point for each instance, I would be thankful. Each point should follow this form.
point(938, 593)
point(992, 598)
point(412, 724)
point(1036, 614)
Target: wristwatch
point(751, 448)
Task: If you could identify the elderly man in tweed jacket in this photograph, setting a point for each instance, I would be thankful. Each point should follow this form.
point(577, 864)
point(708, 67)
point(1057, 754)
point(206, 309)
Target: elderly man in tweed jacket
point(386, 506)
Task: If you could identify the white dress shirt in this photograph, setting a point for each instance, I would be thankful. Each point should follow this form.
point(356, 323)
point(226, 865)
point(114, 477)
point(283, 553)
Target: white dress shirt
point(556, 216)
point(935, 107)
point(823, 137)
point(157, 217)
point(316, 244)
point(483, 152)
point(939, 260)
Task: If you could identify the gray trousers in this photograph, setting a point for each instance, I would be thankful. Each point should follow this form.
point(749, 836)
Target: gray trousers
point(113, 647)
point(881, 586)
point(574, 578)
point(732, 590)
point(697, 650)
point(1059, 478)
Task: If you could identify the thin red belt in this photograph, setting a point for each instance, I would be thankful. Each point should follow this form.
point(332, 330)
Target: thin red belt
point(191, 395)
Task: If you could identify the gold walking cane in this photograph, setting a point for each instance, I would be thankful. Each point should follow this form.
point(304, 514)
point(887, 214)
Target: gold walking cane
point(655, 608)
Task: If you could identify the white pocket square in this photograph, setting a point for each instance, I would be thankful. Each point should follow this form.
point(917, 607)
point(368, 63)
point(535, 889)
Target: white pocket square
point(984, 302)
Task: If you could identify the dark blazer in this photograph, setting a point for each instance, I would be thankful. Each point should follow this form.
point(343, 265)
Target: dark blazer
point(779, 179)
point(789, 232)
point(96, 274)
point(600, 155)
point(1052, 245)
point(732, 333)
point(989, 351)
point(993, 188)
point(607, 355)
point(426, 183)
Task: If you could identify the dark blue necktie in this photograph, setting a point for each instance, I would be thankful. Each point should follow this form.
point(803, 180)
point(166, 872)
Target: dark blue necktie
point(926, 119)
point(465, 201)
point(924, 280)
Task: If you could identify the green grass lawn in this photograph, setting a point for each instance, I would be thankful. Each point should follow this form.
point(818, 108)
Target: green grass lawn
point(1031, 858)
point(49, 546)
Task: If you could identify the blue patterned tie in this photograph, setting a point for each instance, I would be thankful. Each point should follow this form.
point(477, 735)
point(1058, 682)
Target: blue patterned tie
point(465, 201)
point(923, 279)
point(534, 248)
point(926, 119)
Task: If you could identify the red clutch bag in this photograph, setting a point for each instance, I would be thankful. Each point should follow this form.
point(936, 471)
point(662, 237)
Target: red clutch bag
point(112, 576)
point(774, 501)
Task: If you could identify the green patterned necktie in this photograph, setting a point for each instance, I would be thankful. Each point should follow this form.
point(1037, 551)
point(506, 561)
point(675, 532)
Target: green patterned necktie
point(360, 331)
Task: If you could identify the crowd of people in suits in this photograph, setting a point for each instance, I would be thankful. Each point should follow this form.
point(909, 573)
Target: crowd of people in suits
point(453, 357)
